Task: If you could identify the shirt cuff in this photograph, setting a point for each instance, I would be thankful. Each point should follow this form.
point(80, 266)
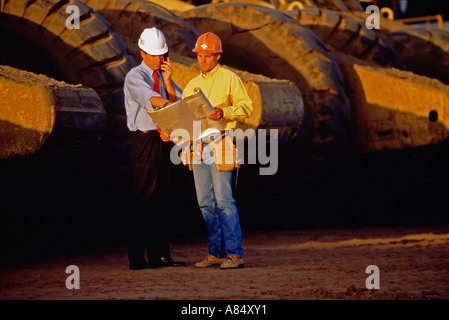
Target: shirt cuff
point(148, 104)
point(226, 112)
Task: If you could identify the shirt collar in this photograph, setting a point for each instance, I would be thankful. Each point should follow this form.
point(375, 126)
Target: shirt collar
point(211, 73)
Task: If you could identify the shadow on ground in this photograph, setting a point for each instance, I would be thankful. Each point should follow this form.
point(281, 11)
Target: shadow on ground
point(77, 196)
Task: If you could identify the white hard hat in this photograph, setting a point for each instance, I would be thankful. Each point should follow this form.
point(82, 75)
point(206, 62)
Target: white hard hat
point(152, 41)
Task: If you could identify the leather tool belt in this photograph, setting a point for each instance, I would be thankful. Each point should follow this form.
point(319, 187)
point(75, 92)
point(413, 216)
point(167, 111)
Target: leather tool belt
point(223, 150)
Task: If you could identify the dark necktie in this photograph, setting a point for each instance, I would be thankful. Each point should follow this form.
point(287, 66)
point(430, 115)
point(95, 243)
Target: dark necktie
point(156, 82)
point(156, 88)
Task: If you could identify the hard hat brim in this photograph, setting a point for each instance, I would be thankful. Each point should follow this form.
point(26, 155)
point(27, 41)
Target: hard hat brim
point(207, 51)
point(155, 52)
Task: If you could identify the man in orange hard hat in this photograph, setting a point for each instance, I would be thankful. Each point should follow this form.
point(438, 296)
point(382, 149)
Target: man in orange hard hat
point(225, 91)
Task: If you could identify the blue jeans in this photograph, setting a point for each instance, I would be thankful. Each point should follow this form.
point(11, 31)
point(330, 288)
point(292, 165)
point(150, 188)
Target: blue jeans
point(217, 204)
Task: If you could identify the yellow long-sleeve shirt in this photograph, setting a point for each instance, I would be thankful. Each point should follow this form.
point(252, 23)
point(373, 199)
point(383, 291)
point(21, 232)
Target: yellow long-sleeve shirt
point(225, 90)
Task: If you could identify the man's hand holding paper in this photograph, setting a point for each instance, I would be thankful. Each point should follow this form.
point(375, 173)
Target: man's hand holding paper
point(184, 113)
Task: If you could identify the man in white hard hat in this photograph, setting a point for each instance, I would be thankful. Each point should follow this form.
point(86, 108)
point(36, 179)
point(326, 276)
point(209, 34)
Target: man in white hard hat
point(148, 87)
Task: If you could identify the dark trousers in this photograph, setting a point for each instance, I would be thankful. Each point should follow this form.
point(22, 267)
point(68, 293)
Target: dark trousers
point(150, 173)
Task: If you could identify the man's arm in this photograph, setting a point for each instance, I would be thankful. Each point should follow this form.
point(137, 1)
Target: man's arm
point(159, 102)
point(167, 71)
point(139, 90)
point(173, 92)
point(242, 106)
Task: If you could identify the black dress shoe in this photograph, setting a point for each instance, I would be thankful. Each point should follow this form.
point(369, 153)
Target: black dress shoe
point(178, 263)
point(140, 265)
point(167, 262)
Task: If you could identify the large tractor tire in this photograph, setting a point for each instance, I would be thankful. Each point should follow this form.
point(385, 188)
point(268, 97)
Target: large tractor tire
point(337, 5)
point(266, 41)
point(347, 34)
point(274, 4)
point(35, 37)
point(130, 18)
point(34, 106)
point(176, 6)
point(424, 51)
point(353, 5)
point(414, 118)
point(342, 5)
point(411, 8)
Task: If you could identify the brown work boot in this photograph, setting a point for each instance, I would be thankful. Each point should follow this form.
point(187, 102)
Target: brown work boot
point(233, 262)
point(210, 261)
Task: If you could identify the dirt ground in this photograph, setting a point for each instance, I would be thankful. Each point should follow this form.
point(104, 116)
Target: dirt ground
point(280, 265)
point(387, 211)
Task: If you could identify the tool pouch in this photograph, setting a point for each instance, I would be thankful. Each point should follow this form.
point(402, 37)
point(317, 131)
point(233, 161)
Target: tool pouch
point(223, 149)
point(224, 152)
point(192, 151)
point(197, 150)
point(187, 156)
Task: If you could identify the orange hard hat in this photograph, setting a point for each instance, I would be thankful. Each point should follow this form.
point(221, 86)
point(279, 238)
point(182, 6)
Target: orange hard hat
point(208, 43)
